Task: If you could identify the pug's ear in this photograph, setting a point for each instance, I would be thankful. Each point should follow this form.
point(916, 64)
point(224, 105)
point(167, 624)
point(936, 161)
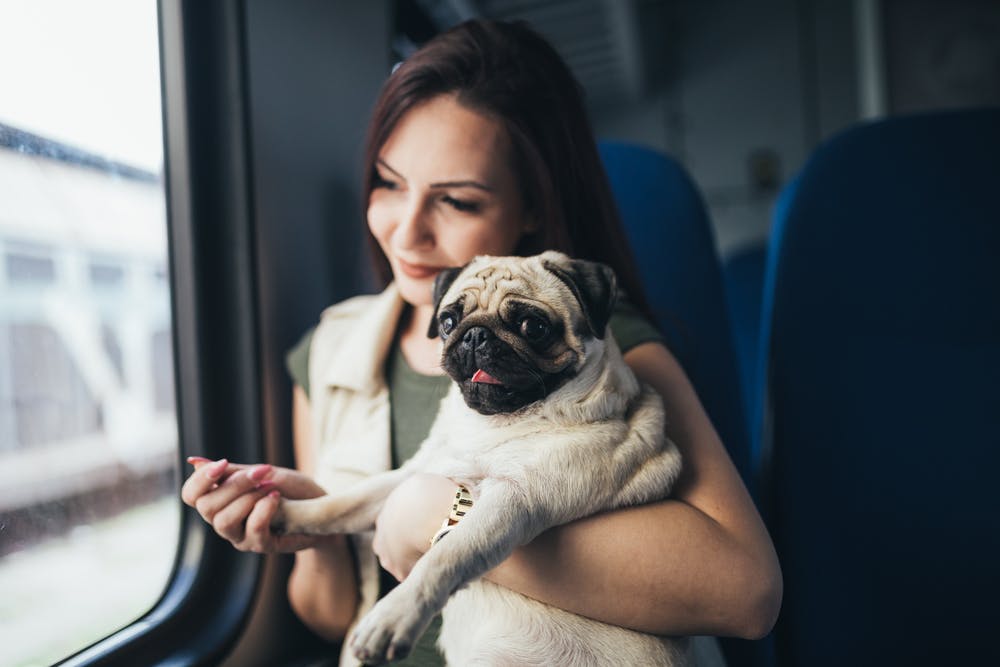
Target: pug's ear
point(594, 285)
point(442, 281)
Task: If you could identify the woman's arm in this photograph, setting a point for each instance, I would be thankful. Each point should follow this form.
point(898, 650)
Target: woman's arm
point(239, 502)
point(699, 563)
point(322, 588)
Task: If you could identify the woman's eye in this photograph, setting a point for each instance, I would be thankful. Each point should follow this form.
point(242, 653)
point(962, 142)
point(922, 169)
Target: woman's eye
point(461, 205)
point(379, 182)
point(534, 329)
point(446, 324)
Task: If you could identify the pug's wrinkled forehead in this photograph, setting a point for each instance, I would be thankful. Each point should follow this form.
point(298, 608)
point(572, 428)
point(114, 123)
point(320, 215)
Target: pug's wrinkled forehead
point(578, 292)
point(488, 281)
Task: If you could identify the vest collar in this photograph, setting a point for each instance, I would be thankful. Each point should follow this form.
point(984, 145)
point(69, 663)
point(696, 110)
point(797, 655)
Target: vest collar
point(359, 363)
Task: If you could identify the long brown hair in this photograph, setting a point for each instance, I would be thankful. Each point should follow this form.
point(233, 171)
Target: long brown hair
point(507, 71)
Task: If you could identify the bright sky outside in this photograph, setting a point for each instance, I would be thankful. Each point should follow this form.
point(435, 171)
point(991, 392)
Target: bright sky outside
point(84, 73)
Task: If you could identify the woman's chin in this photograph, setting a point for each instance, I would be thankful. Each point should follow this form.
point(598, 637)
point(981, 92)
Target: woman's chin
point(416, 291)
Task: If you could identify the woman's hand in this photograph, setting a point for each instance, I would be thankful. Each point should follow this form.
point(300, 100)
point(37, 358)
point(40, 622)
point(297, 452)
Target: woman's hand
point(238, 501)
point(412, 514)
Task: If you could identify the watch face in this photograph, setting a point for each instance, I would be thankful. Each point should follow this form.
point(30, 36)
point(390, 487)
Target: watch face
point(463, 501)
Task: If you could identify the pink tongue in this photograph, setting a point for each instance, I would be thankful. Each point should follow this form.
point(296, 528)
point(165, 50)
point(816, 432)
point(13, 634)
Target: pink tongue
point(484, 377)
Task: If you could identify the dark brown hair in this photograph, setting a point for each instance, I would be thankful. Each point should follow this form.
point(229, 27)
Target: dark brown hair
point(508, 72)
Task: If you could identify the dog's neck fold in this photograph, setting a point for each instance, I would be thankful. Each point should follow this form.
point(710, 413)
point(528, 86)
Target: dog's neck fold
point(610, 387)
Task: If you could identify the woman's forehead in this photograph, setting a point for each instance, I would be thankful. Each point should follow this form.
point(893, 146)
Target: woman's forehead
point(445, 141)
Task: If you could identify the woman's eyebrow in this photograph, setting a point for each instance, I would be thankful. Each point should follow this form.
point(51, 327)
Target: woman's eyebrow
point(443, 184)
point(386, 166)
point(462, 184)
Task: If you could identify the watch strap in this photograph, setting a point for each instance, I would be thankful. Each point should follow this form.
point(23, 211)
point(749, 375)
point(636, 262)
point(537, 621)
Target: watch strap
point(459, 508)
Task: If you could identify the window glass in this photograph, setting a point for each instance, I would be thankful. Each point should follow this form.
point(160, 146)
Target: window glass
point(29, 265)
point(103, 274)
point(89, 513)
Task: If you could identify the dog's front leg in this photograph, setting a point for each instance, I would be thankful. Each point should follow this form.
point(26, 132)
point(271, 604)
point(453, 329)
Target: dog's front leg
point(498, 522)
point(351, 511)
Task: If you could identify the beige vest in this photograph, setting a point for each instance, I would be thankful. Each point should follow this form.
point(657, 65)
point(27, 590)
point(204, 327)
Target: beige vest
point(350, 410)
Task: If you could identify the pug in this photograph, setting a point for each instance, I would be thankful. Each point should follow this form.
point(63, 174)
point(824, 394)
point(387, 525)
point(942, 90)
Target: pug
point(545, 423)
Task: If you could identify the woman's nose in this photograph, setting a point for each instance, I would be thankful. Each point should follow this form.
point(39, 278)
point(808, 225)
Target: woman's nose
point(413, 228)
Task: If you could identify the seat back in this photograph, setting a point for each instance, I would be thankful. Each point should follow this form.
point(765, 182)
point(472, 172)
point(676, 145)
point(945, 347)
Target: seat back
point(673, 244)
point(882, 316)
point(743, 276)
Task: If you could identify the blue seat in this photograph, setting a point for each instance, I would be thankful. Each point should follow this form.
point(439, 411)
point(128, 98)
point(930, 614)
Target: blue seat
point(743, 276)
point(673, 244)
point(882, 324)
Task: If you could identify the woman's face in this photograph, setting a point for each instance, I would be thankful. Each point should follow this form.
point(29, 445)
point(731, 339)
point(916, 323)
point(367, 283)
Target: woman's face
point(444, 192)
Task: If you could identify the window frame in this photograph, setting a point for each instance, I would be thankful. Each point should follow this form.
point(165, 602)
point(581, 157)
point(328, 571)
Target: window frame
point(208, 187)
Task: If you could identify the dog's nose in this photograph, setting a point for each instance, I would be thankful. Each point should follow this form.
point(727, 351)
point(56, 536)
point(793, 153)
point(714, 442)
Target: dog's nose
point(476, 336)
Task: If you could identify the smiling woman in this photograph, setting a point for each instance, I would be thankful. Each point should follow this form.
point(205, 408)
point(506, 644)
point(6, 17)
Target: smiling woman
point(444, 190)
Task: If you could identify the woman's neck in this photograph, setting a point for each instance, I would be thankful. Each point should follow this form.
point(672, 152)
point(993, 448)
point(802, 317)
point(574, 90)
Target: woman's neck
point(423, 354)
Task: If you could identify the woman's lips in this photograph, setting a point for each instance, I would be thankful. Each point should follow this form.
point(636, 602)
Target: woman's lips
point(417, 271)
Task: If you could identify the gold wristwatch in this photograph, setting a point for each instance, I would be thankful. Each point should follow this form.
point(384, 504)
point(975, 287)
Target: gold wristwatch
point(462, 504)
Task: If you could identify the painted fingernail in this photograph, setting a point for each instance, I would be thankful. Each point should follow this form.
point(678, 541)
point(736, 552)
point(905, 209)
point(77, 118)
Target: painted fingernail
point(257, 473)
point(215, 470)
point(197, 460)
point(274, 494)
point(266, 484)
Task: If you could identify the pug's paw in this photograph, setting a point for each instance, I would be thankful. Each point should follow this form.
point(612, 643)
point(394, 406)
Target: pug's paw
point(389, 631)
point(292, 517)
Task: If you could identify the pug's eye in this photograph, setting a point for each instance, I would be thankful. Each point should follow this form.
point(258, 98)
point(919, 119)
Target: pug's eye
point(446, 324)
point(534, 329)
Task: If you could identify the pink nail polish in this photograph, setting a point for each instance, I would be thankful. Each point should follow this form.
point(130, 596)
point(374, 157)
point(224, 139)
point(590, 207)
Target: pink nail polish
point(266, 484)
point(215, 470)
point(197, 460)
point(274, 494)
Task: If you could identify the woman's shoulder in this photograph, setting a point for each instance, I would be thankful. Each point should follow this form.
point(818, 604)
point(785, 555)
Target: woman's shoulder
point(630, 328)
point(334, 322)
point(349, 308)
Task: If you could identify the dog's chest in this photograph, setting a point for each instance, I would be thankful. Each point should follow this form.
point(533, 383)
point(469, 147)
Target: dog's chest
point(467, 445)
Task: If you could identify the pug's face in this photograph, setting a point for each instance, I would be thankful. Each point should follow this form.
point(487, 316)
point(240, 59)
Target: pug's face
point(515, 329)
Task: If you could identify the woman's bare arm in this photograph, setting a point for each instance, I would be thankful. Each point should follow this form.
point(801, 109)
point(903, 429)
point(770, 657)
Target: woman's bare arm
point(322, 588)
point(699, 563)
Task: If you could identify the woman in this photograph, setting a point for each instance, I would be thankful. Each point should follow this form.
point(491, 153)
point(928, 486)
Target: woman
point(479, 144)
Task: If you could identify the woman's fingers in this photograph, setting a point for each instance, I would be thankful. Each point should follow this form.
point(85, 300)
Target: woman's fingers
point(239, 501)
point(203, 480)
point(231, 521)
point(228, 491)
point(259, 537)
point(258, 524)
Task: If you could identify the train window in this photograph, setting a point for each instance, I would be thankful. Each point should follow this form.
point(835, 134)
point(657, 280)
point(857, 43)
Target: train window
point(30, 267)
point(89, 514)
point(106, 274)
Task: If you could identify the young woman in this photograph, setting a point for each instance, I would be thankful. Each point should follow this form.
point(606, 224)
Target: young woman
point(479, 144)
